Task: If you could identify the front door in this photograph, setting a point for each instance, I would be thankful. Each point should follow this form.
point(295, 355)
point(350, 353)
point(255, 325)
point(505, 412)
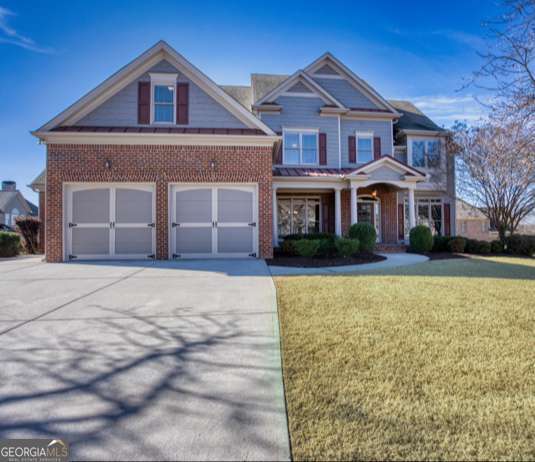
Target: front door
point(369, 211)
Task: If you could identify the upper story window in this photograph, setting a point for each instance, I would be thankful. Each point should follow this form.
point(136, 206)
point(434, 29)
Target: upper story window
point(163, 98)
point(364, 147)
point(425, 153)
point(300, 147)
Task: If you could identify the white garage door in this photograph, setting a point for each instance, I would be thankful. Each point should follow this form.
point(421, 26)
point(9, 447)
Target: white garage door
point(110, 221)
point(214, 221)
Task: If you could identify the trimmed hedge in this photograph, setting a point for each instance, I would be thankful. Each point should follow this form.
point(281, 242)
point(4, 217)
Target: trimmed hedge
point(497, 247)
point(326, 247)
point(307, 247)
point(420, 239)
point(519, 244)
point(441, 243)
point(366, 235)
point(9, 244)
point(347, 247)
point(457, 244)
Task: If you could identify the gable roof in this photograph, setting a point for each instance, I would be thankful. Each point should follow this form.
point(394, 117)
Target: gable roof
point(412, 118)
point(138, 67)
point(302, 77)
point(391, 162)
point(262, 84)
point(241, 93)
point(8, 198)
point(336, 64)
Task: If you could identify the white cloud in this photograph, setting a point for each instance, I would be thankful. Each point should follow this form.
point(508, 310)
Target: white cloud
point(10, 36)
point(445, 110)
point(464, 38)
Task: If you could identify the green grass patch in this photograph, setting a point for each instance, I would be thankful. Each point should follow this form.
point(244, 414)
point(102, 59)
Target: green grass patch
point(432, 361)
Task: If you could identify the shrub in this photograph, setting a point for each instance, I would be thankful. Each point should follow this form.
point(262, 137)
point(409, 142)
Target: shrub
point(309, 236)
point(366, 235)
point(327, 247)
point(457, 244)
point(29, 229)
point(307, 247)
point(496, 246)
point(9, 244)
point(288, 247)
point(421, 239)
point(347, 247)
point(519, 244)
point(483, 247)
point(472, 246)
point(441, 243)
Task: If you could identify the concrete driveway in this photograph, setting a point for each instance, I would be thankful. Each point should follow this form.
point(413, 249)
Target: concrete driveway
point(151, 361)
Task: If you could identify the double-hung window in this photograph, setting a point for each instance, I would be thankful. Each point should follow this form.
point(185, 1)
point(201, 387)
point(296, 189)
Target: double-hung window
point(425, 153)
point(364, 147)
point(163, 98)
point(300, 147)
point(429, 213)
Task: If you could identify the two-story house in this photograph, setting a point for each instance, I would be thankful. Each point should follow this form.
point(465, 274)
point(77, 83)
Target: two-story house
point(161, 162)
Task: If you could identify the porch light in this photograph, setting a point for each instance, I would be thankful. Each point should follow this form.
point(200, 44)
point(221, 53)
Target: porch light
point(374, 193)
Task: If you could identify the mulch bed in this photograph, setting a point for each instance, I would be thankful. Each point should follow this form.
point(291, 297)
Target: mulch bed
point(304, 262)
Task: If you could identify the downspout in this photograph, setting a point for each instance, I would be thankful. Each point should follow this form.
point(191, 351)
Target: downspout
point(339, 144)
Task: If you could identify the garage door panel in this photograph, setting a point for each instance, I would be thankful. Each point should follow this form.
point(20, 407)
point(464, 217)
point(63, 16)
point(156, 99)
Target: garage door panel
point(194, 206)
point(133, 241)
point(91, 206)
point(234, 206)
point(133, 206)
point(194, 240)
point(90, 241)
point(235, 240)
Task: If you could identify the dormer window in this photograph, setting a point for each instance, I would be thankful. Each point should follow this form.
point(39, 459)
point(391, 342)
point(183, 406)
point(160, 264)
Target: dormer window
point(163, 98)
point(300, 147)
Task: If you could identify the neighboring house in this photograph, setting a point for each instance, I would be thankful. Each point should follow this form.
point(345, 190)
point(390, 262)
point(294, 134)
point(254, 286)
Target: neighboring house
point(13, 204)
point(159, 161)
point(38, 185)
point(472, 223)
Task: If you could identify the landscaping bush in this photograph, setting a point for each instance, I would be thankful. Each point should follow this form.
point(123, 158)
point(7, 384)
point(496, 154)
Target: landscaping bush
point(29, 229)
point(307, 247)
point(347, 247)
point(326, 248)
point(457, 244)
point(420, 239)
point(472, 246)
point(483, 247)
point(9, 244)
point(496, 246)
point(309, 236)
point(366, 235)
point(441, 243)
point(288, 247)
point(519, 244)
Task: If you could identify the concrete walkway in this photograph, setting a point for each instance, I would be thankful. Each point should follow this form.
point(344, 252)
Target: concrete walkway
point(143, 360)
point(393, 260)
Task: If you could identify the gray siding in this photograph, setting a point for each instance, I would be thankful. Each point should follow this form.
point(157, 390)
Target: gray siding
point(303, 112)
point(121, 109)
point(380, 128)
point(346, 93)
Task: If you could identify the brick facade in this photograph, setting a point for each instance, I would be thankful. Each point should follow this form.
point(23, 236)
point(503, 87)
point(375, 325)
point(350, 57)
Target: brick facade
point(159, 164)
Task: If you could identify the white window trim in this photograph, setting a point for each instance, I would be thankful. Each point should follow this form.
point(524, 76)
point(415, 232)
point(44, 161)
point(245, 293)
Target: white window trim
point(426, 165)
point(430, 201)
point(166, 80)
point(363, 135)
point(301, 132)
point(306, 199)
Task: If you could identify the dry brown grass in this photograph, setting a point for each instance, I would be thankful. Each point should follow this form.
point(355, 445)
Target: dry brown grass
point(434, 361)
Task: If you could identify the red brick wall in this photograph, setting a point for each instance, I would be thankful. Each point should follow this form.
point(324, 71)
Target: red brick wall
point(155, 164)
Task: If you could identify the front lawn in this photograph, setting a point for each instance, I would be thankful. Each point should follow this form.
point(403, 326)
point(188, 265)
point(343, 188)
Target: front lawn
point(432, 361)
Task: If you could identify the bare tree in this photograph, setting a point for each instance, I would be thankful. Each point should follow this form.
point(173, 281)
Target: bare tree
point(496, 170)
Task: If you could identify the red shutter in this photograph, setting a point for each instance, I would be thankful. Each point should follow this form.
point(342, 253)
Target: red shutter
point(376, 148)
point(143, 103)
point(447, 220)
point(401, 222)
point(277, 153)
point(182, 103)
point(323, 148)
point(352, 148)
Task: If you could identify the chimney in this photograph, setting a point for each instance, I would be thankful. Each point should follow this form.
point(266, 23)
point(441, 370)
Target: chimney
point(9, 186)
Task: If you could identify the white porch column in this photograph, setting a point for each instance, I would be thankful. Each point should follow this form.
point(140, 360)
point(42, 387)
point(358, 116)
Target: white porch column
point(354, 216)
point(275, 218)
point(412, 212)
point(337, 212)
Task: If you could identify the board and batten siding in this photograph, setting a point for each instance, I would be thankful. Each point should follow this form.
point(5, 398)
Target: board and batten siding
point(121, 109)
point(380, 128)
point(303, 112)
point(346, 93)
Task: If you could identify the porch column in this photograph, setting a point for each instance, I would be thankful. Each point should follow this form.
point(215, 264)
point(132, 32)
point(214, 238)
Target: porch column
point(412, 213)
point(337, 212)
point(275, 218)
point(354, 216)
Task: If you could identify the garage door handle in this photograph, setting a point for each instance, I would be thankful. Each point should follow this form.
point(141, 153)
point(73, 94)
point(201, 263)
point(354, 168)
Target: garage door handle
point(174, 225)
point(252, 224)
point(152, 225)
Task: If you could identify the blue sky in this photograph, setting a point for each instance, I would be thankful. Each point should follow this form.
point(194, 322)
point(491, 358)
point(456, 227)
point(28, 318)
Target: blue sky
point(51, 53)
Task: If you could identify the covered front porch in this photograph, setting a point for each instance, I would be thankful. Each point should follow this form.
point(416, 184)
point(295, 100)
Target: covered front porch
point(321, 200)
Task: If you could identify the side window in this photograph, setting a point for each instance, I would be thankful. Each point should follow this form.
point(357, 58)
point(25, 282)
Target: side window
point(364, 148)
point(300, 147)
point(418, 153)
point(426, 153)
